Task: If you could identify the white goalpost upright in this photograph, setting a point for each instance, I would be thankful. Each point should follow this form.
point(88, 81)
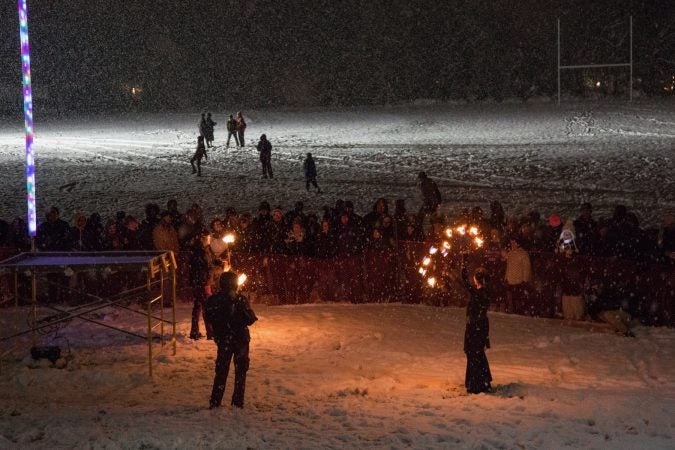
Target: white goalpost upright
point(595, 66)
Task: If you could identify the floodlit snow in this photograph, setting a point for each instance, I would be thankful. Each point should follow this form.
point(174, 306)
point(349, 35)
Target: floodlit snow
point(351, 376)
point(339, 375)
point(525, 155)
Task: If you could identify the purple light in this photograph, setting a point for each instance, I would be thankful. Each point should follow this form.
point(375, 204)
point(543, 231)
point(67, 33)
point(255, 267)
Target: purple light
point(28, 115)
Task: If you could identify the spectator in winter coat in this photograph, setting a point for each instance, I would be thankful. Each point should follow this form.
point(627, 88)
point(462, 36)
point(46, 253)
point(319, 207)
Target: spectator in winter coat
point(517, 276)
point(497, 216)
point(241, 127)
point(200, 153)
point(431, 196)
point(131, 234)
point(54, 234)
point(176, 216)
point(278, 231)
point(200, 276)
point(208, 130)
point(261, 229)
point(18, 236)
point(380, 208)
point(230, 315)
point(296, 240)
point(244, 242)
point(586, 229)
point(309, 166)
point(349, 238)
point(572, 286)
point(148, 226)
point(265, 150)
point(232, 131)
point(112, 240)
point(77, 234)
point(477, 333)
point(296, 213)
point(325, 243)
point(165, 236)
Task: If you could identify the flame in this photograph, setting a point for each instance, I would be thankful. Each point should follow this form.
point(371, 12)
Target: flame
point(473, 231)
point(446, 245)
point(242, 279)
point(433, 250)
point(431, 281)
point(422, 271)
point(426, 261)
point(461, 229)
point(448, 232)
point(228, 238)
point(479, 241)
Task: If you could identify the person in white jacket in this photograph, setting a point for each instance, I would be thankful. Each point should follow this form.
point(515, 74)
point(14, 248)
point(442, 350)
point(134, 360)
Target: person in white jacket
point(517, 276)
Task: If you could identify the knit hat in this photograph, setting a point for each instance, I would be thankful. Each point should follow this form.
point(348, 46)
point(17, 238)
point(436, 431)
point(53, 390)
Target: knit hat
point(554, 220)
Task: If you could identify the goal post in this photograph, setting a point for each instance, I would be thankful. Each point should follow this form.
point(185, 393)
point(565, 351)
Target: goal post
point(628, 64)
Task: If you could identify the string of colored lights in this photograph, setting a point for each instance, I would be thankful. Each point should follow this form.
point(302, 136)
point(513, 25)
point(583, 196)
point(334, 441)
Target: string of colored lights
point(28, 116)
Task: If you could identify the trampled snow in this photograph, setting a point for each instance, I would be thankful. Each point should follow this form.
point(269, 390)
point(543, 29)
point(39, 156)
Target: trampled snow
point(342, 375)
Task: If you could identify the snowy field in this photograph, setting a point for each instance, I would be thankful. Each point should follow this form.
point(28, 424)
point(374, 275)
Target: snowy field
point(526, 155)
point(333, 376)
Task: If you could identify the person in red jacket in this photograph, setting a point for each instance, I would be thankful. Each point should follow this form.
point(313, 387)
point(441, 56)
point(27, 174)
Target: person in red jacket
point(241, 126)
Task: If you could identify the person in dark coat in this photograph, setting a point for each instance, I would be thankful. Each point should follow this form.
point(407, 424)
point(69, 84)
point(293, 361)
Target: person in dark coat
point(200, 270)
point(232, 131)
point(477, 333)
point(309, 166)
point(265, 150)
point(230, 315)
point(54, 236)
point(199, 154)
point(431, 196)
point(202, 125)
point(208, 130)
point(241, 127)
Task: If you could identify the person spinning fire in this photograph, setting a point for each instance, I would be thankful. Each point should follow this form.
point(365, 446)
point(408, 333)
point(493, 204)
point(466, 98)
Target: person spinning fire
point(230, 315)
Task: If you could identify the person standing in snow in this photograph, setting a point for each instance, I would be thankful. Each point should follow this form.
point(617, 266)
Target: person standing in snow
point(208, 130)
point(431, 196)
point(477, 332)
point(202, 125)
point(241, 127)
point(199, 154)
point(309, 166)
point(232, 131)
point(265, 150)
point(230, 315)
point(200, 270)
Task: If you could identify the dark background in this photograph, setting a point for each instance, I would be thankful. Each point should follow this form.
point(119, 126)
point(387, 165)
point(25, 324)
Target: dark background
point(88, 54)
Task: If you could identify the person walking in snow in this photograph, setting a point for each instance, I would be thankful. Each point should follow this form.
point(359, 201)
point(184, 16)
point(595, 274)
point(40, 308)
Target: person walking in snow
point(241, 127)
point(208, 130)
point(232, 131)
point(197, 157)
point(309, 166)
point(230, 315)
point(265, 150)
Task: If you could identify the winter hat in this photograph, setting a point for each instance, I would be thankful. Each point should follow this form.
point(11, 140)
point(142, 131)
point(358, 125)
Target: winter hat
point(554, 220)
point(277, 210)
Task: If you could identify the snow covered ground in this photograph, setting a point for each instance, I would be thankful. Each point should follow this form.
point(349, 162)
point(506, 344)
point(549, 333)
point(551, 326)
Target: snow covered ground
point(341, 375)
point(526, 155)
point(332, 376)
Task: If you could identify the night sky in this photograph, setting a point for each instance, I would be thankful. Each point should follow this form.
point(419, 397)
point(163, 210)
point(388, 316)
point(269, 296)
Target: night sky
point(88, 54)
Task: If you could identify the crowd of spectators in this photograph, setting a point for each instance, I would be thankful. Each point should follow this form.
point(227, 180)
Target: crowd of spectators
point(340, 231)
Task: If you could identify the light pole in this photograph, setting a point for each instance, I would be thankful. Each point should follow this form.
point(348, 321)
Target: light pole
point(28, 117)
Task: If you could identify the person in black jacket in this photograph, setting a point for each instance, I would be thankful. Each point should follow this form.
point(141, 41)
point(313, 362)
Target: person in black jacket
point(232, 131)
point(265, 150)
point(200, 269)
point(230, 315)
point(431, 196)
point(208, 130)
point(477, 333)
